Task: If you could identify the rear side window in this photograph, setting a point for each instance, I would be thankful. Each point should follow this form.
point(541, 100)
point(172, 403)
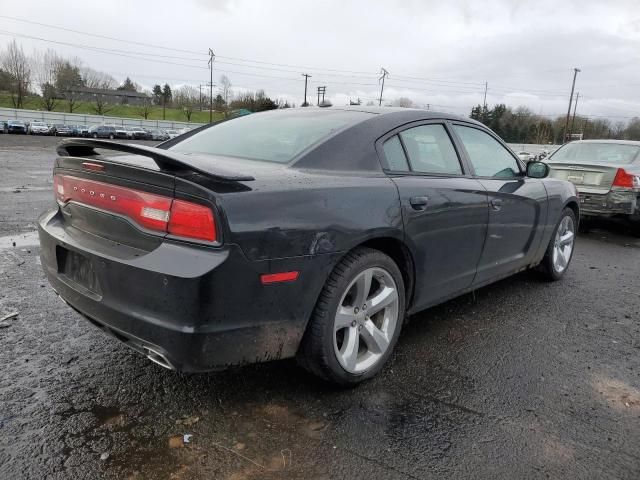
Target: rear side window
point(394, 155)
point(430, 150)
point(488, 157)
point(274, 136)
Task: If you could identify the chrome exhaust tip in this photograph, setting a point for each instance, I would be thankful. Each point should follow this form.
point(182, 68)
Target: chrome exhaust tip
point(158, 357)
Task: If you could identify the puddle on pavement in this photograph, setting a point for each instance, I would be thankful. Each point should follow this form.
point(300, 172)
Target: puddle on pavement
point(617, 394)
point(20, 240)
point(25, 189)
point(109, 416)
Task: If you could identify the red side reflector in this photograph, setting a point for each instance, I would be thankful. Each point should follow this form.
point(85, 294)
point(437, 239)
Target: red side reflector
point(623, 179)
point(191, 220)
point(268, 278)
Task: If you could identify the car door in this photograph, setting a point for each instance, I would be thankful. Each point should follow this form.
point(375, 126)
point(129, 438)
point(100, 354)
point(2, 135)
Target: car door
point(517, 204)
point(444, 210)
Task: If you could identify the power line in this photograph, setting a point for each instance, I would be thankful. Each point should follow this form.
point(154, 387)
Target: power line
point(99, 36)
point(218, 57)
point(445, 86)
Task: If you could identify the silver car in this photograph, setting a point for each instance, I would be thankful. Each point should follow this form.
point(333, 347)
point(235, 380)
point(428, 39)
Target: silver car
point(606, 174)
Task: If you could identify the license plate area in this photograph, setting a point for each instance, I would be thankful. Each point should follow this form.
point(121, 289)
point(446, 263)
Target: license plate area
point(579, 179)
point(77, 270)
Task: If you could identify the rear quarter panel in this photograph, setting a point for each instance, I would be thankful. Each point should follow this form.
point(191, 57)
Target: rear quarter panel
point(303, 213)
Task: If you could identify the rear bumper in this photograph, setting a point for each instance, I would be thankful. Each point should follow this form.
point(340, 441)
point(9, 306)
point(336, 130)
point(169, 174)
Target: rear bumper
point(614, 203)
point(189, 308)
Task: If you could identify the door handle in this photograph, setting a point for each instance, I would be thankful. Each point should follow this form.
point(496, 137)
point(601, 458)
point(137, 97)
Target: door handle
point(496, 203)
point(419, 203)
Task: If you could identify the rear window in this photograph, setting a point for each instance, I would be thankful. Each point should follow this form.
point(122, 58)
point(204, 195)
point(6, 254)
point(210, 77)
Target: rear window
point(614, 153)
point(276, 136)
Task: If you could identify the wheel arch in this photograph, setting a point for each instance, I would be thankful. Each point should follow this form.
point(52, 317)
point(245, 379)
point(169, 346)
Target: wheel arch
point(573, 205)
point(399, 252)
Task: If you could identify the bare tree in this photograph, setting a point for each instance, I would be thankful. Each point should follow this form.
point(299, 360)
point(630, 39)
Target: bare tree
point(225, 86)
point(186, 98)
point(16, 64)
point(403, 102)
point(95, 79)
point(46, 65)
point(101, 106)
point(147, 107)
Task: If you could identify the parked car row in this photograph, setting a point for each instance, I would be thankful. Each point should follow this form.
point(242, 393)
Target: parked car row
point(96, 131)
point(12, 126)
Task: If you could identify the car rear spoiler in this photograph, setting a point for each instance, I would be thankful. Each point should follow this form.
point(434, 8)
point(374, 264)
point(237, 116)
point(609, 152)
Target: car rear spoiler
point(166, 160)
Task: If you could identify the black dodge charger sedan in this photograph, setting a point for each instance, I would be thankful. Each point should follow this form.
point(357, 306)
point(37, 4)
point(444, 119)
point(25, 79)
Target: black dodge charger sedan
point(299, 232)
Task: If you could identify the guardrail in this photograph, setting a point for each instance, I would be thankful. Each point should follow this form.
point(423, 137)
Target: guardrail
point(82, 119)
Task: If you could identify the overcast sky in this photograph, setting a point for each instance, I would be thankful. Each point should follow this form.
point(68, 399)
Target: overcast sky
point(437, 53)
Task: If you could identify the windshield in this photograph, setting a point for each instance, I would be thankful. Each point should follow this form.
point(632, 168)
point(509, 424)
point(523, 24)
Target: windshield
point(276, 136)
point(614, 153)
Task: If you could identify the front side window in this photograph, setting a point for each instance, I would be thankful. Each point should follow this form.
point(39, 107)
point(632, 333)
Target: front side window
point(430, 150)
point(488, 157)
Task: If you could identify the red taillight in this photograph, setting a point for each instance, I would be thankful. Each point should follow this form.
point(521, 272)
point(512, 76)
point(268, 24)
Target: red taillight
point(149, 210)
point(191, 220)
point(623, 179)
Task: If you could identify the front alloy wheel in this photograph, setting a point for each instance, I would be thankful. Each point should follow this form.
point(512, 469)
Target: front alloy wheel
point(561, 246)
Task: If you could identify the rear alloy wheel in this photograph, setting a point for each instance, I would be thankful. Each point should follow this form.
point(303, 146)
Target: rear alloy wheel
point(357, 319)
point(560, 249)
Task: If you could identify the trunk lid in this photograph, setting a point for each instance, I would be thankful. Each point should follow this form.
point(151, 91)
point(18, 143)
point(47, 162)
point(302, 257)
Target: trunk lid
point(131, 194)
point(587, 177)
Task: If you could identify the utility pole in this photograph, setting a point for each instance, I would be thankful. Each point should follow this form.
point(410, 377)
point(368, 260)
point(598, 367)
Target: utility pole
point(575, 107)
point(573, 86)
point(211, 59)
point(321, 90)
point(384, 75)
point(484, 101)
point(200, 87)
point(306, 78)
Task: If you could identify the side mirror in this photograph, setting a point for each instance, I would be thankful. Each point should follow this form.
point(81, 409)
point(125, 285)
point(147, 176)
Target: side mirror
point(537, 170)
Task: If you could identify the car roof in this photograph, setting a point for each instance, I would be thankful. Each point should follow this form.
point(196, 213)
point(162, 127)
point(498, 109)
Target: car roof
point(618, 142)
point(353, 148)
point(390, 111)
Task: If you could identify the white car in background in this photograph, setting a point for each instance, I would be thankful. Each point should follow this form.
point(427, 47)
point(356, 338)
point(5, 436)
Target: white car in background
point(38, 128)
point(173, 133)
point(526, 157)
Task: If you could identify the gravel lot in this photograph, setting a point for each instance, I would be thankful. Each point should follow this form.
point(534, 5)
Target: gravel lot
point(522, 379)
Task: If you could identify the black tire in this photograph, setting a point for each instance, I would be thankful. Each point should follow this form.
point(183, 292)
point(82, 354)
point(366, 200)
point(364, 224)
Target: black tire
point(316, 353)
point(110, 136)
point(547, 265)
point(95, 135)
point(634, 226)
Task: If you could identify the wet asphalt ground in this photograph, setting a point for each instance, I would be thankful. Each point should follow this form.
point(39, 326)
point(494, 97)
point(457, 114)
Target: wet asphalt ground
point(521, 379)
